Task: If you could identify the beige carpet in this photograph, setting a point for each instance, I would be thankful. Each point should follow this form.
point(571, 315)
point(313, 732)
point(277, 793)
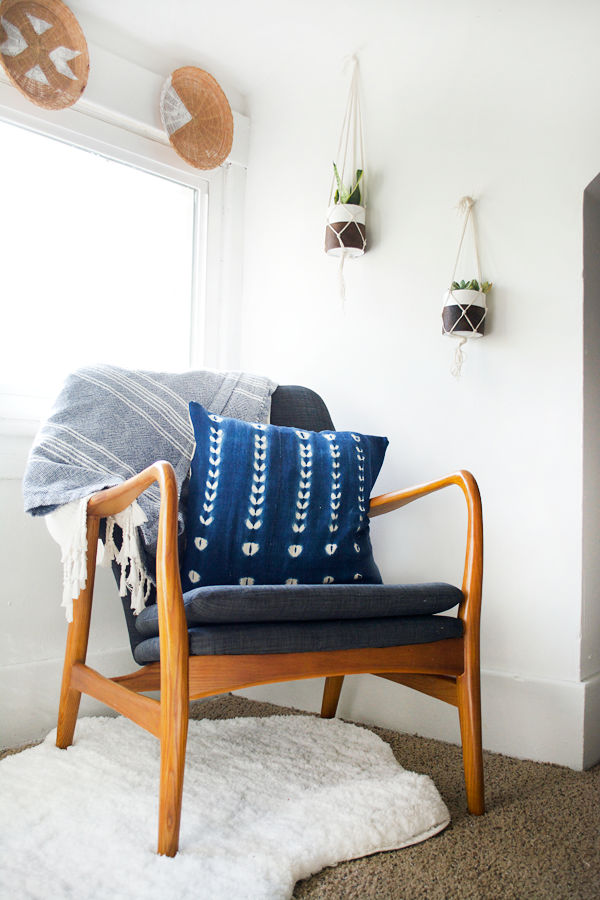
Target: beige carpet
point(540, 837)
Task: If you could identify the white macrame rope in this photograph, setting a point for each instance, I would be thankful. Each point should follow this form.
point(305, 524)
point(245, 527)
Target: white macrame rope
point(459, 358)
point(465, 206)
point(351, 141)
point(341, 279)
point(344, 251)
point(345, 134)
point(358, 154)
point(351, 129)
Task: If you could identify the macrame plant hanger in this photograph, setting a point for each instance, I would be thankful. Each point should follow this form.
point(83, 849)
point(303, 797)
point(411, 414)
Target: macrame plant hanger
point(464, 310)
point(345, 232)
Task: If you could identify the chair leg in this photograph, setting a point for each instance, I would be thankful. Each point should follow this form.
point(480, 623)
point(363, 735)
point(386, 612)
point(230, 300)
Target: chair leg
point(174, 709)
point(331, 696)
point(172, 764)
point(77, 641)
point(469, 711)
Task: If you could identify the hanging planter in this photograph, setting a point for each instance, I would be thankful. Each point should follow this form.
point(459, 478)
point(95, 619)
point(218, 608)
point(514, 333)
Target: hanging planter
point(464, 304)
point(345, 230)
point(346, 234)
point(465, 309)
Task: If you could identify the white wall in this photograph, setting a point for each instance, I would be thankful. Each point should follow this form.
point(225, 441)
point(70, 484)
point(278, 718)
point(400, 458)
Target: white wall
point(492, 100)
point(494, 103)
point(33, 628)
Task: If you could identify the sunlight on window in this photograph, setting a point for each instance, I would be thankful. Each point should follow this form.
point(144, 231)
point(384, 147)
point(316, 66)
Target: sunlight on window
point(96, 263)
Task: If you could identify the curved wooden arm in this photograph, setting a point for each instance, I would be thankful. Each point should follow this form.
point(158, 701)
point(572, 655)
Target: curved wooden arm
point(470, 608)
point(395, 499)
point(171, 615)
point(173, 637)
point(115, 499)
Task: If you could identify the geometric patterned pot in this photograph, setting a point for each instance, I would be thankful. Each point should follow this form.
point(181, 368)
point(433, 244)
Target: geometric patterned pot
point(345, 230)
point(463, 314)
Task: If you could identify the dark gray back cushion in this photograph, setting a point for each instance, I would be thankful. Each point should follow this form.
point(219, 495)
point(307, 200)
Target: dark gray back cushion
point(299, 407)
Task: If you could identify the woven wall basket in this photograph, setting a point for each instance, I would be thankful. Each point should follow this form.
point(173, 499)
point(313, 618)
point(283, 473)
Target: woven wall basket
point(43, 51)
point(197, 117)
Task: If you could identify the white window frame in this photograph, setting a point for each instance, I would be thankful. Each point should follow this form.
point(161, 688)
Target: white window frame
point(128, 141)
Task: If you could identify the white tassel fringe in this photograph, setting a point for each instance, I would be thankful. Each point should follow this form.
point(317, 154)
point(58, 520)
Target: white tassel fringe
point(68, 527)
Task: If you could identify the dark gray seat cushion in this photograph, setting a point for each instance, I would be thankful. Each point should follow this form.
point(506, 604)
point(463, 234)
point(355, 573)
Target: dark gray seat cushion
point(216, 604)
point(305, 637)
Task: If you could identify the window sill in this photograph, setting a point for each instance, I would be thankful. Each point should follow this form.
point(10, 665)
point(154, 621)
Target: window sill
point(13, 427)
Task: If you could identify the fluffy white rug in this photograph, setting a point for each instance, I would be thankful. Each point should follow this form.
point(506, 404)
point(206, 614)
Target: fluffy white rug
point(266, 802)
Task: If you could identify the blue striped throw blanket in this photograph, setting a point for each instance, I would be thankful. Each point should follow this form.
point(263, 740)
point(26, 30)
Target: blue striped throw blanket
point(108, 424)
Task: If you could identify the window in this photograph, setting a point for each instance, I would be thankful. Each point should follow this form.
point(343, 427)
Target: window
point(102, 260)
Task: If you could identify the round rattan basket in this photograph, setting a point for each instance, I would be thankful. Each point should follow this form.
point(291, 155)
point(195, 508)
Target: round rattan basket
point(197, 117)
point(43, 51)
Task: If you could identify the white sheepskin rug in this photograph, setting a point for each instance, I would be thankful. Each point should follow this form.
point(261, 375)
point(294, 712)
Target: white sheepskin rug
point(266, 802)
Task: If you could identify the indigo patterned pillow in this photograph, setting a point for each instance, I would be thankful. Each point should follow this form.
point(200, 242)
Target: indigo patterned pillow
point(274, 505)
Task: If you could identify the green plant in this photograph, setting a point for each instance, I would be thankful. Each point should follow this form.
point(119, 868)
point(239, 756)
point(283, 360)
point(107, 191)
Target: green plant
point(344, 194)
point(472, 285)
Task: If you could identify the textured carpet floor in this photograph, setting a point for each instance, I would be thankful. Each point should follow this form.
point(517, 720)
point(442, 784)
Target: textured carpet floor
point(539, 839)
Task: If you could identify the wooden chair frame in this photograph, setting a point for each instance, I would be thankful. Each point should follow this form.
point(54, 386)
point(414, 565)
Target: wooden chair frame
point(446, 669)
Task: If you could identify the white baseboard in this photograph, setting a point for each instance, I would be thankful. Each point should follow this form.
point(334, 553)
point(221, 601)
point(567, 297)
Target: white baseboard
point(522, 717)
point(29, 694)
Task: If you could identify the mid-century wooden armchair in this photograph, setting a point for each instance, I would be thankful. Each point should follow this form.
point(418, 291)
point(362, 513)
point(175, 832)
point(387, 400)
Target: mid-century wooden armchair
point(435, 654)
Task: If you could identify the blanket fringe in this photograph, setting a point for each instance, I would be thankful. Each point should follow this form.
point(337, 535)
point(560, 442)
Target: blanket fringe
point(129, 557)
point(71, 532)
point(67, 525)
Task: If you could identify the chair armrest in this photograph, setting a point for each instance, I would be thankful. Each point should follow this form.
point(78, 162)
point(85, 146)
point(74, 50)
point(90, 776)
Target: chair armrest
point(172, 624)
point(395, 499)
point(470, 608)
point(115, 499)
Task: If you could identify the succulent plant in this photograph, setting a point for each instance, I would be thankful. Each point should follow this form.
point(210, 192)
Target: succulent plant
point(344, 194)
point(472, 285)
